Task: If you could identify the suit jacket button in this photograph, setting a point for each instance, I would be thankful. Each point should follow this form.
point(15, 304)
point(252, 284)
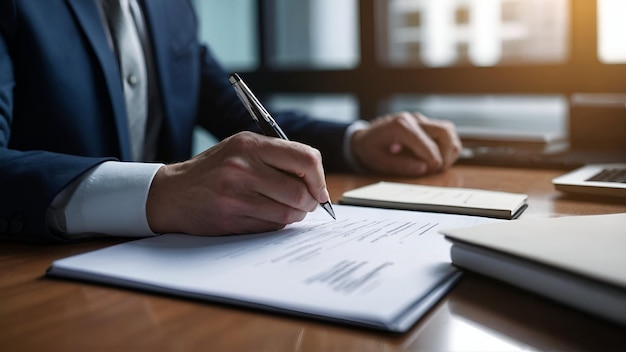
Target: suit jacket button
point(132, 80)
point(16, 226)
point(4, 226)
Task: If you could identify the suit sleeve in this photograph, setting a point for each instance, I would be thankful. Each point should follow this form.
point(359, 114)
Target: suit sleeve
point(29, 180)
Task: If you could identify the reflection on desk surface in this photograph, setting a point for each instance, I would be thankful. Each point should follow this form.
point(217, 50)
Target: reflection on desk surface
point(529, 321)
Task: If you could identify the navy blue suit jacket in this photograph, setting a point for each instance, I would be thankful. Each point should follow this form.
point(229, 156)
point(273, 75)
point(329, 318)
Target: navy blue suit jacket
point(62, 106)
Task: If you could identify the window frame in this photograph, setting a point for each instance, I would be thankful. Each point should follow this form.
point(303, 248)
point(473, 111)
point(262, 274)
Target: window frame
point(372, 82)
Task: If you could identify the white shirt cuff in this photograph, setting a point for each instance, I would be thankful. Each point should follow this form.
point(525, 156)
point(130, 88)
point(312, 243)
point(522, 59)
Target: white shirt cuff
point(347, 150)
point(110, 199)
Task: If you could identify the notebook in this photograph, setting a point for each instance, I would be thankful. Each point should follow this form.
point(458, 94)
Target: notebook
point(577, 260)
point(397, 195)
point(595, 179)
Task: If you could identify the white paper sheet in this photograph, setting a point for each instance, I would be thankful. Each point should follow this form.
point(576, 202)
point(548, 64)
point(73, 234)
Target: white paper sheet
point(370, 266)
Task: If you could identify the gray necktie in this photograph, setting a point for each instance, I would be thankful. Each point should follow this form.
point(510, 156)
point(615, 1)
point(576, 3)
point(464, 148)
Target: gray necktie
point(132, 69)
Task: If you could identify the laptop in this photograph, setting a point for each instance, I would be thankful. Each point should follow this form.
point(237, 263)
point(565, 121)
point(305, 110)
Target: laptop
point(594, 179)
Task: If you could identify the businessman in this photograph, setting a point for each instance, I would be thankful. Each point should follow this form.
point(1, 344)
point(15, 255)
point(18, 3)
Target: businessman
point(98, 101)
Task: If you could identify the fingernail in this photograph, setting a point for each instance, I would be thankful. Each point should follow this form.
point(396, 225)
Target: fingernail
point(324, 196)
point(395, 148)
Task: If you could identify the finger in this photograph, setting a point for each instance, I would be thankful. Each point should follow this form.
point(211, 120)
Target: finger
point(270, 210)
point(238, 214)
point(301, 160)
point(445, 136)
point(401, 164)
point(417, 141)
point(246, 225)
point(286, 189)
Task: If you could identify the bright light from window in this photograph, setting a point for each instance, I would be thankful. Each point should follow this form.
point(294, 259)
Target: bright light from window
point(332, 107)
point(229, 27)
point(611, 29)
point(315, 34)
point(474, 32)
point(485, 46)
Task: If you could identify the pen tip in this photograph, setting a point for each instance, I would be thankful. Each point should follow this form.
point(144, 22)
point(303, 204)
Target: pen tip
point(329, 209)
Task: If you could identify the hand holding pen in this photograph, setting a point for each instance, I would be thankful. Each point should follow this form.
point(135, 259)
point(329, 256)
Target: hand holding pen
point(246, 183)
point(266, 123)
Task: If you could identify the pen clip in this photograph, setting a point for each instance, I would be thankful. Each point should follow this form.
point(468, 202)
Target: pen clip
point(238, 85)
point(258, 112)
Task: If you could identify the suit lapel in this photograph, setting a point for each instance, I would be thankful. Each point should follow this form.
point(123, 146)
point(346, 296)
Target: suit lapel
point(90, 21)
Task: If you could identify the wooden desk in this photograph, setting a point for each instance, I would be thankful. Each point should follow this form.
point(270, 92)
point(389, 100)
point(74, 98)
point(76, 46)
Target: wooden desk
point(40, 314)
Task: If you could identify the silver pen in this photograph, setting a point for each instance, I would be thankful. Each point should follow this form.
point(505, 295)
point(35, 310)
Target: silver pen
point(265, 121)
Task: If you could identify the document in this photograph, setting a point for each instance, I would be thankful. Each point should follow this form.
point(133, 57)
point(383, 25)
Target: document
point(577, 260)
point(377, 268)
point(396, 195)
